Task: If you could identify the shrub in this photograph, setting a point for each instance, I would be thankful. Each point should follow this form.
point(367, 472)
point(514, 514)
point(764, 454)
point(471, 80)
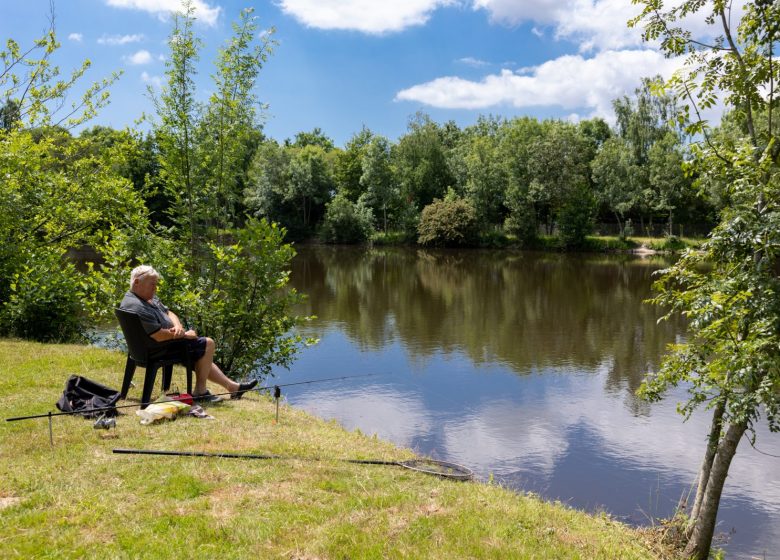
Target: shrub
point(346, 221)
point(448, 223)
point(44, 300)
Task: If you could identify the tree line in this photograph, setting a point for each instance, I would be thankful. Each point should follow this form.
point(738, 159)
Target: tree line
point(520, 177)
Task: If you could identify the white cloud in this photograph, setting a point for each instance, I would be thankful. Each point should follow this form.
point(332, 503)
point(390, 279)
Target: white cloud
point(138, 58)
point(162, 8)
point(154, 81)
point(78, 37)
point(120, 39)
point(367, 16)
point(593, 24)
point(513, 12)
point(570, 82)
point(471, 61)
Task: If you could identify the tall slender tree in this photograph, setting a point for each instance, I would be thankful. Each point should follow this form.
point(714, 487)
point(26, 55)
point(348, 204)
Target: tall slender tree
point(729, 289)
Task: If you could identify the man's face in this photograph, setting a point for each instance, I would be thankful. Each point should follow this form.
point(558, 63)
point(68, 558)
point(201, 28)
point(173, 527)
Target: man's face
point(145, 287)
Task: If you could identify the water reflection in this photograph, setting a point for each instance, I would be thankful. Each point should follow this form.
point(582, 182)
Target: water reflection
point(524, 367)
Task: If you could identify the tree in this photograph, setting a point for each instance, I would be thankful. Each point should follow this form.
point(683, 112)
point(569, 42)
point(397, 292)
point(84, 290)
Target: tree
point(729, 290)
point(485, 178)
point(176, 133)
point(559, 172)
point(421, 163)
point(228, 130)
point(57, 193)
point(381, 192)
point(615, 176)
point(665, 162)
point(346, 221)
point(310, 184)
point(643, 120)
point(349, 165)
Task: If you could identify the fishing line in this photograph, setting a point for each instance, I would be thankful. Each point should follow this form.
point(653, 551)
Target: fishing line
point(443, 469)
point(258, 389)
point(757, 449)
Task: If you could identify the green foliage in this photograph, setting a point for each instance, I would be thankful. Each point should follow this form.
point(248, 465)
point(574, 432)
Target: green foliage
point(58, 194)
point(346, 221)
point(521, 221)
point(421, 163)
point(43, 302)
point(242, 301)
point(729, 289)
point(448, 223)
point(575, 218)
point(381, 190)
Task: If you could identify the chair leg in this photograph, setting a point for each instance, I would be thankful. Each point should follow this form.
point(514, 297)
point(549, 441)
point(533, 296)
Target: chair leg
point(188, 364)
point(167, 376)
point(128, 378)
point(151, 373)
point(189, 378)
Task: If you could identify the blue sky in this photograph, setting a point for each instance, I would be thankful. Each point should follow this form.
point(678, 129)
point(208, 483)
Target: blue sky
point(344, 64)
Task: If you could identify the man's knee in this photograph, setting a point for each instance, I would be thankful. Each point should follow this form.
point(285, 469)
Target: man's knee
point(209, 343)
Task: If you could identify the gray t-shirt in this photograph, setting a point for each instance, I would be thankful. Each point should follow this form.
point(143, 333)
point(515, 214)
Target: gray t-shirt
point(154, 315)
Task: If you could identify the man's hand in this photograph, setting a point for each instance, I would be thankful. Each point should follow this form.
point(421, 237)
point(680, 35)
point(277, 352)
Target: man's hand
point(190, 334)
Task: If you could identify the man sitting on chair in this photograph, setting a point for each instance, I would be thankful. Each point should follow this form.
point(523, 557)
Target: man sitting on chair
point(165, 329)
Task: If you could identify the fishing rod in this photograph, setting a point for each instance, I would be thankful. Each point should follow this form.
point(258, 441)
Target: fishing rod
point(258, 389)
point(444, 469)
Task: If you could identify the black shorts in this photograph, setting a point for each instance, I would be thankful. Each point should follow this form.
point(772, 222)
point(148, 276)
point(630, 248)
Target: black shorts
point(177, 350)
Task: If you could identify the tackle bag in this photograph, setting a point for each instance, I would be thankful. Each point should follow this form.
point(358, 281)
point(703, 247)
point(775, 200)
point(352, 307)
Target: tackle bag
point(84, 396)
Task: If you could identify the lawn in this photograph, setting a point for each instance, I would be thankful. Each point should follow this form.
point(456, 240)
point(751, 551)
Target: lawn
point(78, 499)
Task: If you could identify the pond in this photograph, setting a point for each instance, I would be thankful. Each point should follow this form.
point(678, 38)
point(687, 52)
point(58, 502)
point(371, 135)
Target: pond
point(524, 368)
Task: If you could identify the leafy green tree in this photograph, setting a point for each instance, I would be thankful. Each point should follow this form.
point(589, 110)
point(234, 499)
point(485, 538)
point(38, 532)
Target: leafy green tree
point(56, 194)
point(314, 138)
point(616, 179)
point(728, 290)
point(176, 132)
point(310, 184)
point(485, 178)
point(269, 176)
point(228, 130)
point(378, 180)
point(642, 120)
point(559, 172)
point(346, 221)
point(349, 165)
point(667, 180)
point(421, 163)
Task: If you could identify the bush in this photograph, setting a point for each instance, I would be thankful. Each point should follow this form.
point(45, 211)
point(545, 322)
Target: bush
point(44, 300)
point(346, 222)
point(448, 223)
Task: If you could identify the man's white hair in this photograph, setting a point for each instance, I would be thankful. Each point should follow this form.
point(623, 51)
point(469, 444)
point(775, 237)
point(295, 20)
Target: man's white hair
point(142, 270)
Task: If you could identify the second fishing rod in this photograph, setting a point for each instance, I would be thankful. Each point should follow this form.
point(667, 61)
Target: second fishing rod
point(276, 388)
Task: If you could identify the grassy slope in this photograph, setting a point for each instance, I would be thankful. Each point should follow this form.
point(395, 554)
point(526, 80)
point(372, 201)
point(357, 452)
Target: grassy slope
point(78, 499)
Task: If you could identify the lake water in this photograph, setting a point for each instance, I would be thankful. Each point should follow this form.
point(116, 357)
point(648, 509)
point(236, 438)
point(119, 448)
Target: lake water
point(522, 367)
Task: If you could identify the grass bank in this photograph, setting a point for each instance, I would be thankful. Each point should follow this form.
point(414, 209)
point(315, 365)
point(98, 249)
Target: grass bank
point(77, 499)
point(592, 244)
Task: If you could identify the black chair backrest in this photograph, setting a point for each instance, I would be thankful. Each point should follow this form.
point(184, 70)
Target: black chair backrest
point(135, 335)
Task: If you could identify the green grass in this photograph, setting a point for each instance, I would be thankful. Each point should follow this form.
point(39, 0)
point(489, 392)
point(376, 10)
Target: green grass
point(78, 499)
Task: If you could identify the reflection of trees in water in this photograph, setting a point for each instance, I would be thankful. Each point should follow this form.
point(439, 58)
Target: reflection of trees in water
point(529, 311)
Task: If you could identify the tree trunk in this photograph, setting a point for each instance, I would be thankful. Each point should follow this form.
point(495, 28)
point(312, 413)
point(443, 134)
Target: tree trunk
point(706, 466)
point(704, 525)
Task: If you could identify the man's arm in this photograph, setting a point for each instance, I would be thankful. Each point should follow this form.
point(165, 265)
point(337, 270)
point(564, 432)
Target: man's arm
point(176, 331)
